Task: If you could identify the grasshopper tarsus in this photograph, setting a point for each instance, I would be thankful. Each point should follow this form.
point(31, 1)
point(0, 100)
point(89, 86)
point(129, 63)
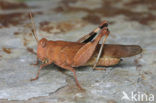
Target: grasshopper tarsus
point(33, 79)
point(37, 62)
point(34, 64)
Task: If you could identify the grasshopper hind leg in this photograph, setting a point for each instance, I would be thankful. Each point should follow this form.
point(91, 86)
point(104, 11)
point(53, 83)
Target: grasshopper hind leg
point(101, 48)
point(89, 37)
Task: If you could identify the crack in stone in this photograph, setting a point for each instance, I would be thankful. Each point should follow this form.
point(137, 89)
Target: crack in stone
point(57, 90)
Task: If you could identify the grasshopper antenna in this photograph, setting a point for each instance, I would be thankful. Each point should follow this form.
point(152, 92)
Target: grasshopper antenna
point(34, 27)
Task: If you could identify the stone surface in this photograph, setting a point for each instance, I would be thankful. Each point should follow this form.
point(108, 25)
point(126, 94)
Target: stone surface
point(130, 22)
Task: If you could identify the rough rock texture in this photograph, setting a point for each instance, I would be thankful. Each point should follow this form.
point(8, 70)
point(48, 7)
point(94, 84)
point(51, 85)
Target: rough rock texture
point(130, 22)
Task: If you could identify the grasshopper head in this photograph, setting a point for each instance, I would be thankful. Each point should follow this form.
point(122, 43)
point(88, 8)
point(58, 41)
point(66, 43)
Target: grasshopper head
point(41, 49)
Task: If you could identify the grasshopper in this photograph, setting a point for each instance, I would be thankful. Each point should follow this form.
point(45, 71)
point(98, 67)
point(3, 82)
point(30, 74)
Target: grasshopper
point(85, 52)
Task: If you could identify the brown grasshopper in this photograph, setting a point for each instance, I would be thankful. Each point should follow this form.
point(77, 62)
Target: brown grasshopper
point(85, 52)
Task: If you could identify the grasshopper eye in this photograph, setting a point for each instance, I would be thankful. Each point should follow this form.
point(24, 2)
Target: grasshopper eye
point(43, 43)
